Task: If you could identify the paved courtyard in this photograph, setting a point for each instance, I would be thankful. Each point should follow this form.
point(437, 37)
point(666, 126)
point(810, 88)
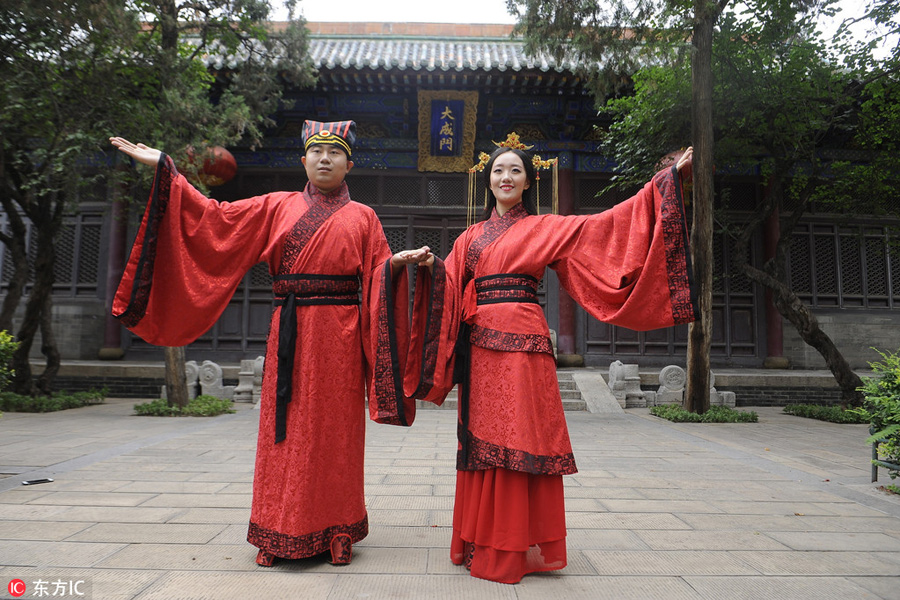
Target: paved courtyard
point(157, 508)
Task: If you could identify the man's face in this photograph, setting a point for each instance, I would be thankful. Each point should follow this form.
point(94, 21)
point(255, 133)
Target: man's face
point(326, 165)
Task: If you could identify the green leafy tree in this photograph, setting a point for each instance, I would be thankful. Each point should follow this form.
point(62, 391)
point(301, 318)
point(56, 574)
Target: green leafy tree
point(610, 40)
point(783, 94)
point(74, 72)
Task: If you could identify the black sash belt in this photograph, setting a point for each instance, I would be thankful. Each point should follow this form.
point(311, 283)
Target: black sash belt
point(302, 290)
point(506, 287)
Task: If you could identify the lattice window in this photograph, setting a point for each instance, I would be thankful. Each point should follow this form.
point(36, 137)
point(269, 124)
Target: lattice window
point(452, 234)
point(427, 236)
point(402, 191)
point(826, 274)
point(894, 254)
point(443, 191)
point(851, 275)
point(65, 251)
point(876, 268)
point(363, 188)
point(800, 275)
point(259, 276)
point(396, 238)
point(89, 254)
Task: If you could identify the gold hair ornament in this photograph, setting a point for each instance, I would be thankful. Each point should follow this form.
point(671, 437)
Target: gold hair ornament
point(513, 141)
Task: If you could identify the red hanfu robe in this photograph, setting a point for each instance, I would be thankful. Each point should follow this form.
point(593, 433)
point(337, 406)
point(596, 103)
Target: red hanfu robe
point(328, 255)
point(477, 314)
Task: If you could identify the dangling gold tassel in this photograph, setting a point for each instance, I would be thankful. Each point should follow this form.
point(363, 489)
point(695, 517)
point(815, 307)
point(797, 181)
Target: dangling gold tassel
point(470, 199)
point(555, 190)
point(537, 190)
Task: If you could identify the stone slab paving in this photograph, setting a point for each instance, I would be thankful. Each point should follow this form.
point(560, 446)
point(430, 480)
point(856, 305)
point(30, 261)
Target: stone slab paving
point(157, 508)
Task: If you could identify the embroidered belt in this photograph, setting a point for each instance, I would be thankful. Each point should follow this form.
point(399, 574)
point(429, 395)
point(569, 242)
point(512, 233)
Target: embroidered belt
point(492, 289)
point(506, 287)
point(295, 290)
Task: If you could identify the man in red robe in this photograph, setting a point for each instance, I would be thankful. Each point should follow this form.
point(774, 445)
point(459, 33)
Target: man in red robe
point(331, 339)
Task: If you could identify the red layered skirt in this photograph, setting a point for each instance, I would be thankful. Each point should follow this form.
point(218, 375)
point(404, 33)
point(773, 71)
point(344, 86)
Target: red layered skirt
point(508, 523)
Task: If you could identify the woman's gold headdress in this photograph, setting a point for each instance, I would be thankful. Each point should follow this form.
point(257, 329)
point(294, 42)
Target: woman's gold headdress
point(513, 141)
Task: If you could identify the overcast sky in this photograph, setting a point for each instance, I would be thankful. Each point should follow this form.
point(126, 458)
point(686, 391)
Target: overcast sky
point(452, 11)
point(406, 11)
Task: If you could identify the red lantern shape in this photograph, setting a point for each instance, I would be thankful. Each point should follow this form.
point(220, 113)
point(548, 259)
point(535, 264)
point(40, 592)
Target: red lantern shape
point(218, 168)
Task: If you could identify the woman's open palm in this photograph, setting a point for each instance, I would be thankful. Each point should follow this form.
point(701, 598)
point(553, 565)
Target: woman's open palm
point(139, 152)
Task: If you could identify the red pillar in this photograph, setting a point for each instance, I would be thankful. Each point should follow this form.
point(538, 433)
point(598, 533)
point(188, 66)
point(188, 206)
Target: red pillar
point(775, 358)
point(565, 341)
point(115, 266)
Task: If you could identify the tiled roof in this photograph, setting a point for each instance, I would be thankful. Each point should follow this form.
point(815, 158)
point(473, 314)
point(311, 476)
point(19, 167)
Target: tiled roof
point(423, 46)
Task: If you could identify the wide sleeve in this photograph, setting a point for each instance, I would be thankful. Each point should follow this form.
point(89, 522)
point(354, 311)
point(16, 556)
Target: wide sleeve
point(436, 319)
point(385, 321)
point(630, 265)
point(188, 259)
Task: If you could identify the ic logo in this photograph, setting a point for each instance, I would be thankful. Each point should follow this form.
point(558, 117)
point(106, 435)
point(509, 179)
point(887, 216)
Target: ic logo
point(16, 588)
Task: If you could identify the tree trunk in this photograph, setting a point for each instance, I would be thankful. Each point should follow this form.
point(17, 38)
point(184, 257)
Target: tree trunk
point(49, 348)
point(176, 378)
point(38, 302)
point(16, 246)
point(801, 317)
point(696, 396)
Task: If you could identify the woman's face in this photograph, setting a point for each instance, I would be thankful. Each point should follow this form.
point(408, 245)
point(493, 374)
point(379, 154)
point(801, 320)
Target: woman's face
point(508, 180)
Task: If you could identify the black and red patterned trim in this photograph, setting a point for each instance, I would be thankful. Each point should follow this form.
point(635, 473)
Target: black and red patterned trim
point(493, 229)
point(485, 455)
point(493, 339)
point(302, 546)
point(432, 326)
point(156, 209)
point(683, 290)
point(321, 207)
point(389, 399)
point(506, 287)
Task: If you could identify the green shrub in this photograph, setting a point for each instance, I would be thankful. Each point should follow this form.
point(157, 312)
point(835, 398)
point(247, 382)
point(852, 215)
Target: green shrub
point(201, 406)
point(12, 402)
point(882, 408)
point(715, 414)
point(7, 348)
point(833, 414)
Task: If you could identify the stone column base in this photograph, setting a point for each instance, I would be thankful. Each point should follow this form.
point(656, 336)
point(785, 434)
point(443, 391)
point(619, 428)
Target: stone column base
point(777, 362)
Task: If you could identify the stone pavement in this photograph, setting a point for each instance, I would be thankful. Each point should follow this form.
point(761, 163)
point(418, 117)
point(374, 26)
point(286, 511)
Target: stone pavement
point(157, 508)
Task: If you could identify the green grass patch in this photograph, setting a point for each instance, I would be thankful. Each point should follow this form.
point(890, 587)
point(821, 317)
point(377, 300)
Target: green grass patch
point(715, 414)
point(12, 402)
point(833, 414)
point(201, 406)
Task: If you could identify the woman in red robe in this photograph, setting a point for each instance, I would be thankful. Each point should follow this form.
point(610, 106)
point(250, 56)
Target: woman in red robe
point(330, 338)
point(477, 322)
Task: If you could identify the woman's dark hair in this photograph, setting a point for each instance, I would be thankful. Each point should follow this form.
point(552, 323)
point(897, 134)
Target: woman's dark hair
point(527, 202)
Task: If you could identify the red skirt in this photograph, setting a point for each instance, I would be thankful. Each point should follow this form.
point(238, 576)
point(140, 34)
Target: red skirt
point(508, 523)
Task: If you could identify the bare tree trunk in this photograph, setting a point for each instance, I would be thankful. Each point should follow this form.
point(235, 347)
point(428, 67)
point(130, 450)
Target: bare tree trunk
point(46, 219)
point(696, 396)
point(49, 348)
point(176, 378)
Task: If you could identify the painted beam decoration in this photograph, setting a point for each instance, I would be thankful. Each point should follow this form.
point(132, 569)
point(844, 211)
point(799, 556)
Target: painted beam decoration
point(446, 130)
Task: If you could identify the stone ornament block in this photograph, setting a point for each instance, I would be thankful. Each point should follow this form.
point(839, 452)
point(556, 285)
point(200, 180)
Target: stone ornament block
point(625, 384)
point(244, 390)
point(672, 380)
point(211, 382)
